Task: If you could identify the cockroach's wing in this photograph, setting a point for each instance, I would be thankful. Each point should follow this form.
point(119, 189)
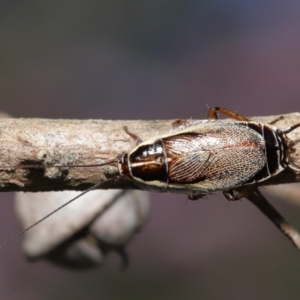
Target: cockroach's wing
point(215, 156)
point(189, 168)
point(186, 164)
point(228, 168)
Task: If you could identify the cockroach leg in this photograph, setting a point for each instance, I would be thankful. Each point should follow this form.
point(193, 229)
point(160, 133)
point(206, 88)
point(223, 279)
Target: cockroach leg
point(212, 114)
point(179, 123)
point(195, 196)
point(276, 120)
point(132, 135)
point(230, 196)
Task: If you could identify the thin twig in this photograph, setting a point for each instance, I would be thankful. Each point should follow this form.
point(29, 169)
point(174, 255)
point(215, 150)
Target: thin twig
point(88, 142)
point(267, 209)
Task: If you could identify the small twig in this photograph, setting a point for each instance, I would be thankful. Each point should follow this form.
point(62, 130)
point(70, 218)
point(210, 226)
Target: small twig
point(89, 142)
point(267, 209)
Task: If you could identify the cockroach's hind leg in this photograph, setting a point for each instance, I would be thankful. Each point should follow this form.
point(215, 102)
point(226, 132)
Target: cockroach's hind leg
point(195, 196)
point(132, 135)
point(212, 114)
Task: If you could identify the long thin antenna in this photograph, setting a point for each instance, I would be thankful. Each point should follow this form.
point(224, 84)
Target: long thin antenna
point(54, 211)
point(291, 128)
point(59, 166)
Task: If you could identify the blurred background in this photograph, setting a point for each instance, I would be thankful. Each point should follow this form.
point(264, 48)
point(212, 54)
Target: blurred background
point(157, 60)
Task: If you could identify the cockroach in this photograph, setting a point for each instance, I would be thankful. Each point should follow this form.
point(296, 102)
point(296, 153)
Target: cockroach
point(200, 159)
point(215, 155)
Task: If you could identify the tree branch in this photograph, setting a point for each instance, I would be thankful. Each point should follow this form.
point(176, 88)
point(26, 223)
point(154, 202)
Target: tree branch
point(76, 142)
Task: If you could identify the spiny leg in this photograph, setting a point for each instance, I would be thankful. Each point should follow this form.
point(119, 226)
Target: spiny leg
point(132, 135)
point(230, 196)
point(276, 120)
point(195, 196)
point(179, 123)
point(212, 114)
point(184, 123)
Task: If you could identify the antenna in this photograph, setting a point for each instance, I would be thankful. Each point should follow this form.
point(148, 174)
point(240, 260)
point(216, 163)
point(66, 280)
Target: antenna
point(54, 211)
point(61, 166)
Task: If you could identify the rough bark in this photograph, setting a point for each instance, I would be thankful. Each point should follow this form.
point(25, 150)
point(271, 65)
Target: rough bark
point(85, 142)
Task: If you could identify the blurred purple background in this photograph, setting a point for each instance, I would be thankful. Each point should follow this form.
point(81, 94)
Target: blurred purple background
point(157, 60)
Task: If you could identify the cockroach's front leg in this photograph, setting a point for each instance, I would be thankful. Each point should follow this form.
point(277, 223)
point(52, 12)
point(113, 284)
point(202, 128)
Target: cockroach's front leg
point(132, 135)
